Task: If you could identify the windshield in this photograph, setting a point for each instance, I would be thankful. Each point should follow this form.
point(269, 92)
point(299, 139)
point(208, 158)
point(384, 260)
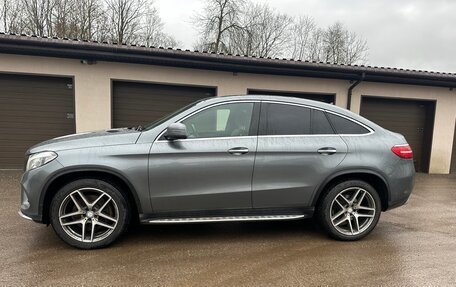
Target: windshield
point(167, 117)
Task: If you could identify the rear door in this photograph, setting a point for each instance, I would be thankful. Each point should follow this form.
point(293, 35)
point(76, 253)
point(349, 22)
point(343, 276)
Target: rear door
point(297, 148)
point(211, 169)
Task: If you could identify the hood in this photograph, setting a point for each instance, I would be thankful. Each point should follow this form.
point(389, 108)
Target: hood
point(88, 139)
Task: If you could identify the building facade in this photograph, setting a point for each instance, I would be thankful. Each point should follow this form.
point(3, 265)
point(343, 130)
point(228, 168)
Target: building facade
point(51, 87)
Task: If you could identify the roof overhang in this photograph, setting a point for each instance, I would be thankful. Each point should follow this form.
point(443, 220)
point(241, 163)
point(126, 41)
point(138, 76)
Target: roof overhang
point(93, 51)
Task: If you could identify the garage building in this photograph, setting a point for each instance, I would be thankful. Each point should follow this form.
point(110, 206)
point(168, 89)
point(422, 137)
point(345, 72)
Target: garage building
point(52, 87)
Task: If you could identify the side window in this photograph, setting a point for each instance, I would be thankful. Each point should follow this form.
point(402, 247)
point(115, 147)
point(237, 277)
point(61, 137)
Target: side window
point(320, 124)
point(345, 126)
point(287, 120)
point(226, 120)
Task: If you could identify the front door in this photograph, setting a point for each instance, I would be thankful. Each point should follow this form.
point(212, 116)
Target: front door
point(211, 169)
point(296, 148)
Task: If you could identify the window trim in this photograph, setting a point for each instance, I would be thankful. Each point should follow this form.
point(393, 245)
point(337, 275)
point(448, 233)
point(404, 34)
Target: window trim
point(371, 131)
point(208, 107)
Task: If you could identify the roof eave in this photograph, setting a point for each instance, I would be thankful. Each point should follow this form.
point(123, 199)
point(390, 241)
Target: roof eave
point(208, 61)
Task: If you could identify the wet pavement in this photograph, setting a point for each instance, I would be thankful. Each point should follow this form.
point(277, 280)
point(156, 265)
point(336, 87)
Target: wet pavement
point(412, 245)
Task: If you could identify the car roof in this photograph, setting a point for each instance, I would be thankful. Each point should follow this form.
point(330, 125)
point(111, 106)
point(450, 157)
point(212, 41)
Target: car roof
point(285, 99)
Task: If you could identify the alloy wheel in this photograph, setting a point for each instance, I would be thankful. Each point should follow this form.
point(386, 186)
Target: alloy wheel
point(352, 211)
point(88, 215)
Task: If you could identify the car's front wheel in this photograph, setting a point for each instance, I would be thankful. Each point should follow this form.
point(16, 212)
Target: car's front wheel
point(349, 210)
point(89, 213)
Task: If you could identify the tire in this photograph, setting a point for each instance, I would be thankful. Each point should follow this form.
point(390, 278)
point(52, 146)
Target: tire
point(341, 214)
point(87, 206)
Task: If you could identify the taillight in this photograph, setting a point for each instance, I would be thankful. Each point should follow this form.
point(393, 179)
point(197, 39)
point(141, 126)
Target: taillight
point(402, 151)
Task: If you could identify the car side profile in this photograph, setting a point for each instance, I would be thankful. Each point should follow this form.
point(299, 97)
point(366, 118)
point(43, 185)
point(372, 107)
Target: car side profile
point(233, 158)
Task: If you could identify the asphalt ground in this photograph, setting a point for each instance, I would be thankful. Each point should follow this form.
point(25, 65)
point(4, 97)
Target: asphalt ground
point(414, 245)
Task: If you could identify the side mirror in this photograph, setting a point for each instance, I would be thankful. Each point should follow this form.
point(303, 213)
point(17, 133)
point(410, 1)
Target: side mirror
point(176, 131)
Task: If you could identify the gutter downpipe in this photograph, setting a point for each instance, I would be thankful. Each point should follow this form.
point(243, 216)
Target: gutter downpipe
point(350, 89)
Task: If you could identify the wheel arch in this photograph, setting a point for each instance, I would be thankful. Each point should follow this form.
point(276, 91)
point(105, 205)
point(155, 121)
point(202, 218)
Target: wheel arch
point(58, 180)
point(372, 177)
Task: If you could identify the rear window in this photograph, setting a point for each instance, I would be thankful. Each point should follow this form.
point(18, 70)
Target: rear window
point(346, 126)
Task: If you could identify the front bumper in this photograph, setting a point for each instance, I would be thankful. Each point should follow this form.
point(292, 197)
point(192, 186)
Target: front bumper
point(33, 185)
point(24, 216)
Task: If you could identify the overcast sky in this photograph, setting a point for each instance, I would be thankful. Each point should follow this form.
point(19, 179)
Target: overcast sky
point(416, 34)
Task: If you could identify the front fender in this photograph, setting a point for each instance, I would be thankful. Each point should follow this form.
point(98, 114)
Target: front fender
point(90, 170)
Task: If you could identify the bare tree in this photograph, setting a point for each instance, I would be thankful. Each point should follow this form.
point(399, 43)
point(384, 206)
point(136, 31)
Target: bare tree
point(125, 19)
point(129, 21)
point(91, 20)
point(341, 46)
point(334, 43)
point(37, 16)
point(263, 32)
point(250, 28)
point(11, 16)
point(270, 31)
point(316, 45)
point(215, 23)
point(63, 18)
point(230, 26)
point(356, 50)
point(81, 19)
point(152, 31)
point(242, 27)
point(103, 29)
point(152, 27)
point(302, 33)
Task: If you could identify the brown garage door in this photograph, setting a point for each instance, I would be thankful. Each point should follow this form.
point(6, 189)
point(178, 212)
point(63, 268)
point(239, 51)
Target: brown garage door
point(32, 109)
point(413, 119)
point(141, 103)
point(327, 98)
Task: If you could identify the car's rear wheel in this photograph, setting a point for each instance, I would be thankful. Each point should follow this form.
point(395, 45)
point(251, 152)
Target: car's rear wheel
point(89, 213)
point(349, 210)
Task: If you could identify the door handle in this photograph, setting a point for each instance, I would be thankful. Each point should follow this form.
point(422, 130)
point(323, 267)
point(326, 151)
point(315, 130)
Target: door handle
point(327, 150)
point(238, 150)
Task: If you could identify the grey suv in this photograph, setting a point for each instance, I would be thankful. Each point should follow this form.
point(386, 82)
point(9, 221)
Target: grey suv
point(236, 158)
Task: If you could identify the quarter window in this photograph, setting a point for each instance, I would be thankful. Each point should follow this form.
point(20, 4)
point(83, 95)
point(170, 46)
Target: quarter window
point(287, 120)
point(346, 126)
point(320, 123)
point(226, 120)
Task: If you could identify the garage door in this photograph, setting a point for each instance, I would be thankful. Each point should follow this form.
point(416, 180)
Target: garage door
point(32, 109)
point(327, 98)
point(413, 119)
point(140, 103)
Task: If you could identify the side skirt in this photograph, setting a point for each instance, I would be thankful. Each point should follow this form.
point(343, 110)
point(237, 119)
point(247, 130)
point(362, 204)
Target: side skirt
point(226, 216)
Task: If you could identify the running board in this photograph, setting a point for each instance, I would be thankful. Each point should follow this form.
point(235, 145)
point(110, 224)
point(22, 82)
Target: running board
point(225, 219)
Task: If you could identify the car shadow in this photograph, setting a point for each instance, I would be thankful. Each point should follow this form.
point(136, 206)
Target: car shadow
point(219, 232)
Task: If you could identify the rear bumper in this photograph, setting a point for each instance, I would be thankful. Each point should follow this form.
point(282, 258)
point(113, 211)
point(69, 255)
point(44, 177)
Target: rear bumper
point(401, 183)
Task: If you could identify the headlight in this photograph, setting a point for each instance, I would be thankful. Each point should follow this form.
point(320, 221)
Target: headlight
point(40, 159)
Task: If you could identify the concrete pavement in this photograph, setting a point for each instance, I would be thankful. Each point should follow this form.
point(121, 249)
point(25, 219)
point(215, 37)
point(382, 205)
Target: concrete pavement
point(412, 245)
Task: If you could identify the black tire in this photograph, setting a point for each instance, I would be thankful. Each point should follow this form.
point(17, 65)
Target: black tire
point(115, 206)
point(324, 210)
